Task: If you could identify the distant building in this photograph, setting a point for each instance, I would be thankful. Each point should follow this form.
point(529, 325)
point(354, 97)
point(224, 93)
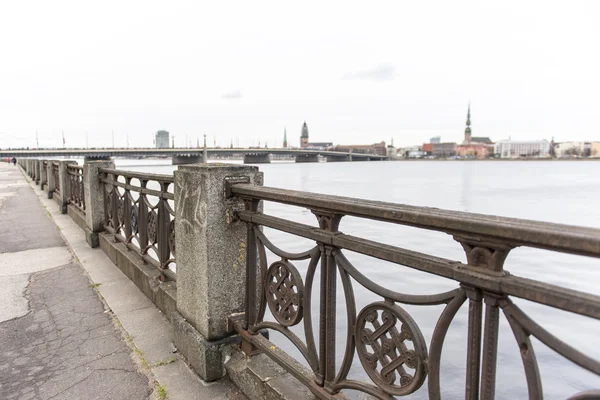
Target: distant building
point(595, 149)
point(319, 145)
point(570, 149)
point(428, 149)
point(412, 152)
point(304, 136)
point(284, 138)
point(162, 140)
point(443, 150)
point(376, 148)
point(435, 139)
point(392, 152)
point(305, 144)
point(516, 149)
point(474, 147)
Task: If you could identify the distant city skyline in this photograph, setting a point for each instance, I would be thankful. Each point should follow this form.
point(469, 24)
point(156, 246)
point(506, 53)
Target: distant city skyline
point(388, 70)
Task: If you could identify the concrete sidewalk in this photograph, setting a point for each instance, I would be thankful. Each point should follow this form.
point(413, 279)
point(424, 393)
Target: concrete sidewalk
point(72, 325)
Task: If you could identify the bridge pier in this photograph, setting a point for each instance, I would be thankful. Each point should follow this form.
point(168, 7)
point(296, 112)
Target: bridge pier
point(305, 158)
point(338, 158)
point(257, 158)
point(187, 159)
point(87, 159)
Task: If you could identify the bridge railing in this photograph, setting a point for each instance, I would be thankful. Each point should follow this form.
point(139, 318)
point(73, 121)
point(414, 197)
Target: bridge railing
point(139, 213)
point(76, 187)
point(383, 335)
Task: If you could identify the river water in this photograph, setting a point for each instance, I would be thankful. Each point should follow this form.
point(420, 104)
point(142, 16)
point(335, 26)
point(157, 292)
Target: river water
point(562, 192)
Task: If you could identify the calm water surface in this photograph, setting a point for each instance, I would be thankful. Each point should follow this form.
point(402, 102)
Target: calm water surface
point(563, 192)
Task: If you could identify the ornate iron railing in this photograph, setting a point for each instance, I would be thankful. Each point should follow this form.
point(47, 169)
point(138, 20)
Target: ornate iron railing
point(55, 170)
point(140, 215)
point(390, 345)
point(76, 190)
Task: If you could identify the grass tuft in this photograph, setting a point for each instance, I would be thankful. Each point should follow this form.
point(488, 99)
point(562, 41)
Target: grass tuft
point(165, 362)
point(162, 391)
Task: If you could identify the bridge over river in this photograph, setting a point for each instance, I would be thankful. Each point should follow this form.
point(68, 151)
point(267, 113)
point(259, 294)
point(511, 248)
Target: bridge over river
point(198, 155)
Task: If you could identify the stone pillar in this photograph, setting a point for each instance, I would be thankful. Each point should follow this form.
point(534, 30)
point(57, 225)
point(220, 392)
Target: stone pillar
point(211, 274)
point(43, 175)
point(38, 171)
point(51, 179)
point(93, 191)
point(64, 184)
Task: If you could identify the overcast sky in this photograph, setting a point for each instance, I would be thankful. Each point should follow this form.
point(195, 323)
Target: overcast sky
point(357, 72)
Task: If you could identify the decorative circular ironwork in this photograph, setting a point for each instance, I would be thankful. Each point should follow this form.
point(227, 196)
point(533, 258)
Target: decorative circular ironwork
point(284, 290)
point(152, 217)
point(384, 348)
point(134, 220)
point(172, 237)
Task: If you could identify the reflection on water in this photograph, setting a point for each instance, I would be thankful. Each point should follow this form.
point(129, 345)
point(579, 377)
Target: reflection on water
point(563, 192)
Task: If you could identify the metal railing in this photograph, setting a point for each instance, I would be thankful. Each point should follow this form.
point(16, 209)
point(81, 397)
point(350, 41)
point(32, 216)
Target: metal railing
point(140, 215)
point(76, 187)
point(388, 342)
point(55, 171)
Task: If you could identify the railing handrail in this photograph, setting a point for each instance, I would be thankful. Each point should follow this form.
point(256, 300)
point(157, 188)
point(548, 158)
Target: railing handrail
point(517, 232)
point(139, 175)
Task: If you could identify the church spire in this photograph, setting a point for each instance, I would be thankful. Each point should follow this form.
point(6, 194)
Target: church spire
point(469, 115)
point(468, 128)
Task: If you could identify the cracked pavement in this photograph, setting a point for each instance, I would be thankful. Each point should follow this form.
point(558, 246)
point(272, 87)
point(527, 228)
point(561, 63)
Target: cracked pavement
point(56, 339)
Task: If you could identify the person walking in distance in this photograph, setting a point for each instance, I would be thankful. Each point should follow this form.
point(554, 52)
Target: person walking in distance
point(14, 161)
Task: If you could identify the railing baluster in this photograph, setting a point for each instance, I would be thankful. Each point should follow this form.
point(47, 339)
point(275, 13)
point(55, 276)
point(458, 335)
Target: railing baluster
point(127, 211)
point(251, 270)
point(115, 210)
point(143, 220)
point(330, 315)
point(162, 242)
point(490, 347)
point(473, 342)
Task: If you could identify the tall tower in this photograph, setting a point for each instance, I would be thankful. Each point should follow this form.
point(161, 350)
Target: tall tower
point(468, 128)
point(284, 138)
point(304, 136)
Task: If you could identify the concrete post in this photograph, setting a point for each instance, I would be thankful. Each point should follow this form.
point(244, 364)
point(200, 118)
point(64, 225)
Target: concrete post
point(38, 171)
point(211, 275)
point(51, 179)
point(64, 184)
point(93, 191)
point(43, 175)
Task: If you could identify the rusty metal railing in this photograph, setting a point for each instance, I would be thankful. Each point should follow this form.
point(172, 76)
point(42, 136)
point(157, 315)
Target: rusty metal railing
point(55, 171)
point(138, 213)
point(386, 339)
point(76, 187)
